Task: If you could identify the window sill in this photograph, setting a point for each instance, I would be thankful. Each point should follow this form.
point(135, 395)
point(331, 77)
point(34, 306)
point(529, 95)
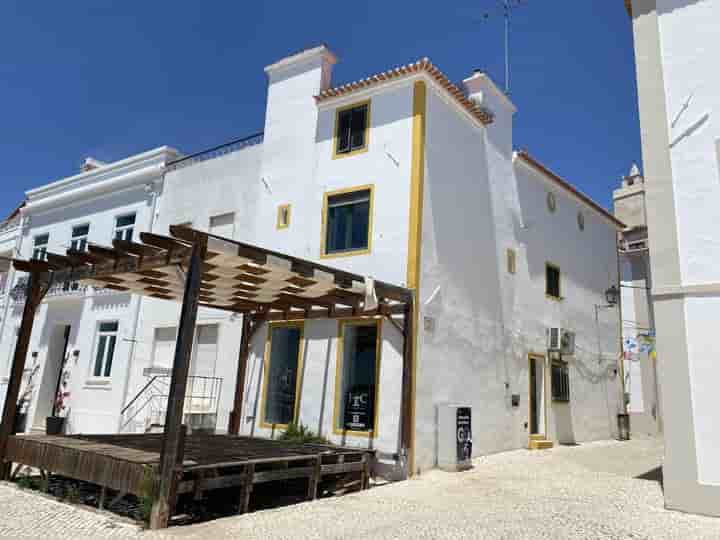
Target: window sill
point(100, 383)
point(351, 153)
point(340, 254)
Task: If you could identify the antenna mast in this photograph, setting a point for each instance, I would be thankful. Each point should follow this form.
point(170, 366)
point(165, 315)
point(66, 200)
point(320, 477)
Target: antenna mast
point(507, 9)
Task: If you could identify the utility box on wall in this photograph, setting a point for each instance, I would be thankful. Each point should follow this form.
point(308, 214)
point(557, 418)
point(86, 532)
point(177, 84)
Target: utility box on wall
point(454, 431)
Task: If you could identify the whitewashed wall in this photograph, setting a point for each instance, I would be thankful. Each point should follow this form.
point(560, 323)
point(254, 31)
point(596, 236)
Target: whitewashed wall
point(689, 44)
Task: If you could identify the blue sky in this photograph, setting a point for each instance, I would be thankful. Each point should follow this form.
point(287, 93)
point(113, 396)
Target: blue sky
point(108, 79)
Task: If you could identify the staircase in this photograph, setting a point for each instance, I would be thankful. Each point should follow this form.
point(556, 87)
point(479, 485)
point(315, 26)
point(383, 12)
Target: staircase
point(146, 411)
point(539, 442)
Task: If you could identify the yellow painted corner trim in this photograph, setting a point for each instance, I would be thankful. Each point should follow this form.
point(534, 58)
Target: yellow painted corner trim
point(365, 146)
point(342, 323)
point(417, 189)
point(280, 224)
point(266, 370)
point(323, 228)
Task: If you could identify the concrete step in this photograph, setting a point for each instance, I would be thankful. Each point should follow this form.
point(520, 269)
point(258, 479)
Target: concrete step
point(540, 444)
point(537, 437)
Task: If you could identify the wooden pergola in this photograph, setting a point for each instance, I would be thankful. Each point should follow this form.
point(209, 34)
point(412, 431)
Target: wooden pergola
point(200, 269)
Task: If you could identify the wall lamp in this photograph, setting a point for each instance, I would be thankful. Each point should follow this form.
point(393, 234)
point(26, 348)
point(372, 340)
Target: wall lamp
point(612, 296)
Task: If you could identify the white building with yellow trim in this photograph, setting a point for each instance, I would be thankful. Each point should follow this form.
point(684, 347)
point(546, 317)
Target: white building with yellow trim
point(407, 178)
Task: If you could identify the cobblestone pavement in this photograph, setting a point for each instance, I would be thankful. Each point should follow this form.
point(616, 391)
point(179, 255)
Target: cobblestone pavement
point(585, 492)
point(26, 514)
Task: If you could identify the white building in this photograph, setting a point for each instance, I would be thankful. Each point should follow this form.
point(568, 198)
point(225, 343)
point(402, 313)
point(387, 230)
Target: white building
point(676, 44)
point(638, 322)
point(83, 342)
point(420, 187)
point(408, 179)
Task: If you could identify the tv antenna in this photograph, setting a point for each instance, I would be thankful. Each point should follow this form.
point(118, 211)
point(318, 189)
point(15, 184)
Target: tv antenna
point(506, 9)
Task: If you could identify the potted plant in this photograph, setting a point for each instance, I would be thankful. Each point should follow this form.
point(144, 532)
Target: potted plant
point(55, 424)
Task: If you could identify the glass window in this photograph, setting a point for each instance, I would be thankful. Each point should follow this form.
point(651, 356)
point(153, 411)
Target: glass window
point(552, 281)
point(348, 222)
point(358, 377)
point(223, 225)
point(107, 339)
point(40, 244)
point(560, 381)
point(124, 227)
point(351, 129)
point(79, 237)
point(281, 374)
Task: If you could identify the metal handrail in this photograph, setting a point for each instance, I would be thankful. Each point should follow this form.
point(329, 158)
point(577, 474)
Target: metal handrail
point(133, 400)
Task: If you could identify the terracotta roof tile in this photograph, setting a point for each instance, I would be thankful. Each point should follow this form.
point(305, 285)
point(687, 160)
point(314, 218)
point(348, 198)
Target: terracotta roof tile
point(420, 66)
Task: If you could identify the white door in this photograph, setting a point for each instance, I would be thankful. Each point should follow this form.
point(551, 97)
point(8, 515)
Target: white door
point(201, 388)
point(164, 347)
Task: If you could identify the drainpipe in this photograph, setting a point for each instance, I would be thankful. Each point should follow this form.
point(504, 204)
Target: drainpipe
point(152, 188)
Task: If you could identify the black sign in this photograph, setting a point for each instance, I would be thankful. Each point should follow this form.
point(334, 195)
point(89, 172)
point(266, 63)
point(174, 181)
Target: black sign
point(464, 434)
point(358, 410)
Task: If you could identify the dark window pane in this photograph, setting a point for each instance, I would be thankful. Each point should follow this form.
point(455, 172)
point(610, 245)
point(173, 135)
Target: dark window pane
point(124, 221)
point(282, 375)
point(110, 354)
point(80, 230)
point(348, 222)
point(359, 373)
point(552, 281)
point(128, 234)
point(343, 132)
point(357, 127)
point(42, 240)
point(97, 371)
point(109, 327)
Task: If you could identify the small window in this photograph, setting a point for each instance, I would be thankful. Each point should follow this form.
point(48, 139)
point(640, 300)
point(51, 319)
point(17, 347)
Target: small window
point(107, 339)
point(79, 238)
point(347, 222)
point(551, 202)
point(283, 216)
point(560, 381)
point(40, 244)
point(124, 227)
point(552, 281)
point(223, 225)
point(581, 221)
point(511, 261)
point(351, 129)
point(282, 365)
point(357, 376)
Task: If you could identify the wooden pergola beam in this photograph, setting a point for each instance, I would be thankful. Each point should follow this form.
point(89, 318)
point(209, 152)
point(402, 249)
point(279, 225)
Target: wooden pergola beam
point(35, 290)
point(173, 438)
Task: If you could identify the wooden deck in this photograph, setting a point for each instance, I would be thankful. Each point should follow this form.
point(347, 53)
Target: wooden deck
point(130, 463)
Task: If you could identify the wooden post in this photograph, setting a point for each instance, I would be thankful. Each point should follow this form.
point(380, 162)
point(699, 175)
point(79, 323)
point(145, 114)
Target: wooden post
point(406, 400)
point(173, 436)
point(246, 489)
point(315, 479)
point(33, 297)
point(236, 414)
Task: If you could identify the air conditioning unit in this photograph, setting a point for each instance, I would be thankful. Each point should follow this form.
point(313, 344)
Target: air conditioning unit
point(559, 339)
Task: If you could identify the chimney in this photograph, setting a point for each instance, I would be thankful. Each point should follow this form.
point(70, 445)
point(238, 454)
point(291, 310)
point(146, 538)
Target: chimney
point(482, 91)
point(316, 59)
point(90, 163)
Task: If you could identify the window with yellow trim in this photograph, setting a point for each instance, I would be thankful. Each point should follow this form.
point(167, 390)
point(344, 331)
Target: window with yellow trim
point(283, 216)
point(347, 221)
point(282, 367)
point(357, 376)
point(351, 129)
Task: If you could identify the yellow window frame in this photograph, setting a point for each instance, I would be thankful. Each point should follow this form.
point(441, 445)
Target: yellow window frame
point(555, 267)
point(342, 323)
point(365, 146)
point(323, 231)
point(266, 370)
point(280, 224)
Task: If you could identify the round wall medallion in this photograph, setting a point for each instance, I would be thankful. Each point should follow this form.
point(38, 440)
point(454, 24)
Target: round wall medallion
point(581, 221)
point(551, 204)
